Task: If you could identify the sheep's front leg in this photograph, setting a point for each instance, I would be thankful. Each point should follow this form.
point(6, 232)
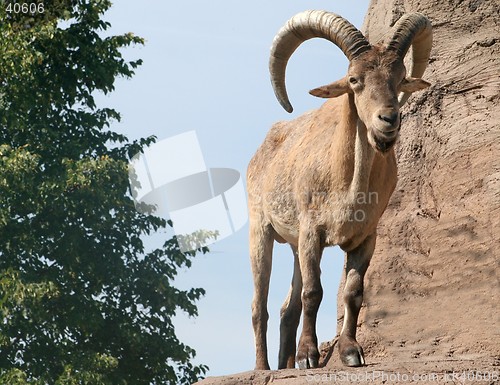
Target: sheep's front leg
point(312, 293)
point(357, 263)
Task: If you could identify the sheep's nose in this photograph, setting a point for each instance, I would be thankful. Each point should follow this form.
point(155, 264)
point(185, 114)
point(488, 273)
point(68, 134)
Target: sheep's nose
point(390, 117)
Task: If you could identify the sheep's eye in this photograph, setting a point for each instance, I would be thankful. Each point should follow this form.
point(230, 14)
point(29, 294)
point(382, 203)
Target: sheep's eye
point(353, 80)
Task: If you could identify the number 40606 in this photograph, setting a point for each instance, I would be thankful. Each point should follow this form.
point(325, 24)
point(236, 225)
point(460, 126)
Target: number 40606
point(25, 8)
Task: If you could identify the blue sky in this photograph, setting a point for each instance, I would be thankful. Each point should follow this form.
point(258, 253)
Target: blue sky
point(205, 69)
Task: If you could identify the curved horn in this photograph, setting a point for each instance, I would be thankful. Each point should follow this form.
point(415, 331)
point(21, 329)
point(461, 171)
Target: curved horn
point(304, 26)
point(412, 30)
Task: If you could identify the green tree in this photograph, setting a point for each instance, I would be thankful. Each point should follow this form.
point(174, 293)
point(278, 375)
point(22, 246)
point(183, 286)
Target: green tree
point(82, 300)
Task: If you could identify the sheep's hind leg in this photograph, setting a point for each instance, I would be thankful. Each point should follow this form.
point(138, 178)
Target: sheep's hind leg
point(290, 318)
point(357, 263)
point(261, 248)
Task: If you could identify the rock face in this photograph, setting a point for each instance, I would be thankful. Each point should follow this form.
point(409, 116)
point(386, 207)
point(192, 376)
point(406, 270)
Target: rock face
point(433, 288)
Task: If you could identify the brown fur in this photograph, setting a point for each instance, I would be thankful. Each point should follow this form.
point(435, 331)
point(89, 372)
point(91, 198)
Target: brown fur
point(320, 180)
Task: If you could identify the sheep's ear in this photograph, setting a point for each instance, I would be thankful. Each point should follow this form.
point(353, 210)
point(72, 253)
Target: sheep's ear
point(331, 90)
point(410, 85)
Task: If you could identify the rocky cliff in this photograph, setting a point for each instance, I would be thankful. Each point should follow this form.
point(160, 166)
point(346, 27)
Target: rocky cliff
point(434, 284)
point(433, 288)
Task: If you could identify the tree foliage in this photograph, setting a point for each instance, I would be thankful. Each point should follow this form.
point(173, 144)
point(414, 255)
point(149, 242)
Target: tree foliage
point(82, 301)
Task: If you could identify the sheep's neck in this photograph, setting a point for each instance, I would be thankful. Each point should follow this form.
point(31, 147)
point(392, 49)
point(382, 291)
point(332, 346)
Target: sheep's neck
point(354, 155)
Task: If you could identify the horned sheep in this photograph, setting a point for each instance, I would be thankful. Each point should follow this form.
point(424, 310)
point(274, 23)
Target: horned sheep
point(325, 178)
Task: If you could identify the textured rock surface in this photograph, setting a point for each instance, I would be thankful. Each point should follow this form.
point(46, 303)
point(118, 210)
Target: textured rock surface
point(434, 285)
point(433, 288)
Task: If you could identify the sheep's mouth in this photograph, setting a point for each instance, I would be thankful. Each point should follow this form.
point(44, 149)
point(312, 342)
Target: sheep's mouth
point(384, 140)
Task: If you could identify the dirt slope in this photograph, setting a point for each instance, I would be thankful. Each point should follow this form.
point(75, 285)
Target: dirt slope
point(433, 289)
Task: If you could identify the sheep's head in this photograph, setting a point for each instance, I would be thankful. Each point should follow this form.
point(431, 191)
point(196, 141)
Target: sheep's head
point(375, 78)
point(376, 74)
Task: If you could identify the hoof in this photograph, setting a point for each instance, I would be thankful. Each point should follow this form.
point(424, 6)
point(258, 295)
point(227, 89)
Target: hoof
point(351, 353)
point(307, 363)
point(308, 358)
point(353, 357)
